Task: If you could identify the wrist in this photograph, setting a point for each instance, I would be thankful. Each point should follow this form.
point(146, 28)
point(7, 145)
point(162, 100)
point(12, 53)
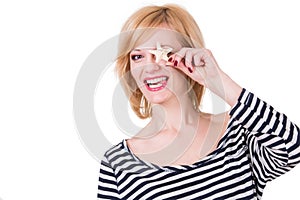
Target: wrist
point(232, 90)
point(226, 88)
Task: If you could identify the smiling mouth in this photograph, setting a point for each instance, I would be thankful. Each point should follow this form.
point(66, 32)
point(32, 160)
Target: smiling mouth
point(156, 84)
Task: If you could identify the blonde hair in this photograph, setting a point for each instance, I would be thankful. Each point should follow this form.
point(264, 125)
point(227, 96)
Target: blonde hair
point(133, 31)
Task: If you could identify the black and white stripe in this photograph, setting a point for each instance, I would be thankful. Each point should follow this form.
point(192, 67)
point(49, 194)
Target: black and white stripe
point(259, 145)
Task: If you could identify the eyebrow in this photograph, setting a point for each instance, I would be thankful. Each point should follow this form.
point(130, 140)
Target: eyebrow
point(144, 48)
point(151, 48)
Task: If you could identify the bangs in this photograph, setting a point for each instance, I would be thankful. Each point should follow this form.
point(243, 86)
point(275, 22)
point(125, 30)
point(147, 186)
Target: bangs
point(137, 30)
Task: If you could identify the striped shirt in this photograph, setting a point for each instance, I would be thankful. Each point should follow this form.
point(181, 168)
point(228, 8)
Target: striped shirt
point(259, 145)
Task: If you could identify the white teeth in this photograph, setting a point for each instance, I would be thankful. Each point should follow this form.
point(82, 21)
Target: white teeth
point(156, 85)
point(156, 80)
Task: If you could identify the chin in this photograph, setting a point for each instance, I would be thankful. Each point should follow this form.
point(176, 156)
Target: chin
point(159, 98)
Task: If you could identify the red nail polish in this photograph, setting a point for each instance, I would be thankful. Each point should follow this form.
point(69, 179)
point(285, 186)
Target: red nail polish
point(190, 70)
point(175, 63)
point(170, 59)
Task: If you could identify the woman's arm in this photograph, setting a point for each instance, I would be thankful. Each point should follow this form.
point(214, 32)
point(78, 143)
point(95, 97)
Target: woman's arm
point(272, 139)
point(271, 135)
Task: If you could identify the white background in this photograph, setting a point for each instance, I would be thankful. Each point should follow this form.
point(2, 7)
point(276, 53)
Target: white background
point(44, 43)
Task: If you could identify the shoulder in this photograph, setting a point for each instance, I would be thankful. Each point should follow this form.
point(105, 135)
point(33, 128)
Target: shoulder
point(114, 150)
point(216, 125)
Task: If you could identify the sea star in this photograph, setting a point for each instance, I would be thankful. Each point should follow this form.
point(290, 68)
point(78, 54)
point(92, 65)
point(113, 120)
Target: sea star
point(161, 53)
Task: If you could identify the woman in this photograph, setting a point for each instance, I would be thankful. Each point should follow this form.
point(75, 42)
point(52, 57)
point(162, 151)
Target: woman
point(184, 153)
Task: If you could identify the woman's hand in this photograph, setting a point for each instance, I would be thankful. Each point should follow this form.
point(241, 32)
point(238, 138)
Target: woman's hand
point(201, 66)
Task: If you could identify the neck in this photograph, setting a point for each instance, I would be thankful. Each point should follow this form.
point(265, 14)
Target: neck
point(175, 114)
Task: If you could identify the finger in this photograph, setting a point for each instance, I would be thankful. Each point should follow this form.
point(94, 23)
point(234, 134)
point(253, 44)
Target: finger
point(198, 59)
point(177, 60)
point(188, 60)
point(182, 67)
point(170, 61)
point(179, 56)
point(208, 58)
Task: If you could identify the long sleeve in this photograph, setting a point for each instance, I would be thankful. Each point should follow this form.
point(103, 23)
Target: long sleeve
point(107, 186)
point(273, 140)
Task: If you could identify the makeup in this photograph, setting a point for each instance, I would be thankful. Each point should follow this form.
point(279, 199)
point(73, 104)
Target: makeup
point(156, 83)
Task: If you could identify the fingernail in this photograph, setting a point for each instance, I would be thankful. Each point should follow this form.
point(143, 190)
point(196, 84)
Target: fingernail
point(169, 64)
point(175, 63)
point(190, 70)
point(170, 59)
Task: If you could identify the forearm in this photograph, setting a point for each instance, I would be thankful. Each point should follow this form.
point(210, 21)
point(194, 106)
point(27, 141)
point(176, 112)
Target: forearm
point(268, 130)
point(226, 88)
point(273, 141)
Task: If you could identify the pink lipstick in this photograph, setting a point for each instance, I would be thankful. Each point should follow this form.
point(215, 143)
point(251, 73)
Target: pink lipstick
point(156, 83)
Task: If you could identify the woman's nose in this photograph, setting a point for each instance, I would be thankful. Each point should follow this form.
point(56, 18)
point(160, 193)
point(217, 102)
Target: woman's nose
point(154, 64)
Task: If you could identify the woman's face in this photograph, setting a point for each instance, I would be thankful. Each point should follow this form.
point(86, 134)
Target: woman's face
point(158, 82)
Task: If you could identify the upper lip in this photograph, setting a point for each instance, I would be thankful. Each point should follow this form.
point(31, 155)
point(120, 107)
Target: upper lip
point(155, 79)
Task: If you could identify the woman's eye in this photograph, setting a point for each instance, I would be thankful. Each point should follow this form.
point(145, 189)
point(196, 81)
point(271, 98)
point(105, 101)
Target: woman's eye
point(136, 57)
point(169, 54)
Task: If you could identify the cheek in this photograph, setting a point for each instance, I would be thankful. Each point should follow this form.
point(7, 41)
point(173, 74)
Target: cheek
point(135, 72)
point(179, 81)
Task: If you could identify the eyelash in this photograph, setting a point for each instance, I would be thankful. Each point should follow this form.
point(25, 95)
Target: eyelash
point(136, 57)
